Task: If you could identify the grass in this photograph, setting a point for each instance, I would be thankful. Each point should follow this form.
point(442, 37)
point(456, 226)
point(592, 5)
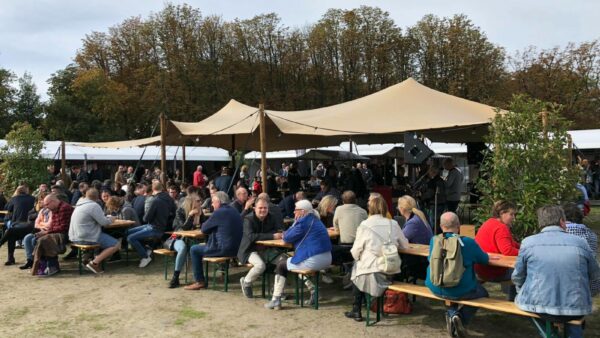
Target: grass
point(593, 219)
point(188, 314)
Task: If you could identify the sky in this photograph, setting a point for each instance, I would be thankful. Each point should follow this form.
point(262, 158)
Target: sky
point(42, 36)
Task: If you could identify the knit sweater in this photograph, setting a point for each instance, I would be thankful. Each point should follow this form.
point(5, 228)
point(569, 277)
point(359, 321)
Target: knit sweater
point(494, 237)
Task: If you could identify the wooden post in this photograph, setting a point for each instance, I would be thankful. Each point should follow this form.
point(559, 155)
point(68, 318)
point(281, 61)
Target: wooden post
point(163, 149)
point(263, 147)
point(183, 163)
point(544, 116)
point(63, 162)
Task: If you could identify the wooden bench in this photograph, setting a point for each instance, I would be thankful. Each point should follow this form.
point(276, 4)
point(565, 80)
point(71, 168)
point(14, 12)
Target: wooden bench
point(306, 273)
point(216, 261)
point(84, 248)
point(492, 304)
point(167, 254)
point(467, 231)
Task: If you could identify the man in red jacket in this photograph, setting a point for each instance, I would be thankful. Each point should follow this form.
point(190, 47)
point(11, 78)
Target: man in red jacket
point(198, 180)
point(494, 237)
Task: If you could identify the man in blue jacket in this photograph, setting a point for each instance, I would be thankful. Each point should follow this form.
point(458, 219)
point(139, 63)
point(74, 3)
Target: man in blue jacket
point(553, 272)
point(468, 287)
point(224, 230)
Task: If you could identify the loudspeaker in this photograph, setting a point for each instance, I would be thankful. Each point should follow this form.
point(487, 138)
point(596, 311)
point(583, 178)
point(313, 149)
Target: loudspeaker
point(475, 151)
point(415, 151)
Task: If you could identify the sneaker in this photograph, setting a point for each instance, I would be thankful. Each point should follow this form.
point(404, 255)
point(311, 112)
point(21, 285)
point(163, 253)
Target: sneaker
point(449, 327)
point(94, 267)
point(326, 279)
point(311, 300)
point(274, 304)
point(148, 252)
point(145, 261)
point(458, 326)
point(52, 271)
point(246, 288)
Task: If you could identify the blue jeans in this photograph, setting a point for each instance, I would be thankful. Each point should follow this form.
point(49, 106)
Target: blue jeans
point(197, 252)
point(29, 243)
point(182, 251)
point(466, 313)
point(137, 234)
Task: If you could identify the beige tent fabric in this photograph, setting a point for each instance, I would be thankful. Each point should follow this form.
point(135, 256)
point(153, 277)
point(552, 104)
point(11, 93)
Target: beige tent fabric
point(407, 106)
point(121, 144)
point(233, 118)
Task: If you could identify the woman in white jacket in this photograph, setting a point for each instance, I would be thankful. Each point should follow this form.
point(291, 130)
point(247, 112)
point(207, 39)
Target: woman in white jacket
point(370, 235)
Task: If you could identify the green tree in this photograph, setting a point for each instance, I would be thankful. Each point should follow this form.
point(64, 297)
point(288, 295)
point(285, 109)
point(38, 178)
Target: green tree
point(530, 164)
point(22, 161)
point(7, 98)
point(27, 107)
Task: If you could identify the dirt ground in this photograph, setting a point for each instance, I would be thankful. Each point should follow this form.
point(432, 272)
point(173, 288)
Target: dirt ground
point(127, 301)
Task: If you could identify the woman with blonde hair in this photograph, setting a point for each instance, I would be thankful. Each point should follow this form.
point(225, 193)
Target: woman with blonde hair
point(326, 210)
point(370, 237)
point(187, 217)
point(43, 217)
point(115, 206)
point(416, 229)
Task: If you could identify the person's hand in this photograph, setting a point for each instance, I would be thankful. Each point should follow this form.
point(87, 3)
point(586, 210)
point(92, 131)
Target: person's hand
point(249, 203)
point(194, 212)
point(277, 235)
point(41, 233)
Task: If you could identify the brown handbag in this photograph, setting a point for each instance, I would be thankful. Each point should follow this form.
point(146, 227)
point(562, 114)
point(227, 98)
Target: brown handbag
point(394, 303)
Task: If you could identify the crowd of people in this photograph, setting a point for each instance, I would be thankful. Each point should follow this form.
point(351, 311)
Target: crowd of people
point(46, 220)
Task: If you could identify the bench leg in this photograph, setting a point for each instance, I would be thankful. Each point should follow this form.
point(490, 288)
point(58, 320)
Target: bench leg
point(296, 294)
point(263, 283)
point(206, 273)
point(186, 268)
point(79, 261)
point(317, 277)
point(301, 290)
point(226, 275)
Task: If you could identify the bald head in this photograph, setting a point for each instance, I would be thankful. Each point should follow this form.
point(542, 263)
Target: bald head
point(449, 222)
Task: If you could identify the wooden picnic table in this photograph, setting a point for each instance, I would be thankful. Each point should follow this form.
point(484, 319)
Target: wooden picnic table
point(120, 223)
point(3, 212)
point(279, 243)
point(193, 234)
point(495, 259)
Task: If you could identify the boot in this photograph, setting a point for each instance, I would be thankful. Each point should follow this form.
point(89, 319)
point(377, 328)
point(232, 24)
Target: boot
point(279, 285)
point(357, 306)
point(174, 283)
point(27, 265)
point(10, 260)
point(274, 304)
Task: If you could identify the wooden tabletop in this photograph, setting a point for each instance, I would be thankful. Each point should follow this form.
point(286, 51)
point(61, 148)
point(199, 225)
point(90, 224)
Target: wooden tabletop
point(3, 212)
point(120, 223)
point(495, 259)
point(279, 243)
point(197, 234)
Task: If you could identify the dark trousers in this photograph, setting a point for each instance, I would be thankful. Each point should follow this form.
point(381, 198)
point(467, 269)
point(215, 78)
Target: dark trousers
point(14, 234)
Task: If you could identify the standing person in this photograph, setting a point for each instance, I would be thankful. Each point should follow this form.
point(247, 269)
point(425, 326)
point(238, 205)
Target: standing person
point(293, 177)
point(188, 216)
point(52, 242)
point(553, 272)
point(453, 185)
point(258, 225)
point(366, 250)
point(80, 174)
point(312, 250)
point(224, 230)
point(119, 175)
point(156, 218)
point(223, 182)
point(86, 225)
point(198, 180)
point(457, 317)
point(494, 237)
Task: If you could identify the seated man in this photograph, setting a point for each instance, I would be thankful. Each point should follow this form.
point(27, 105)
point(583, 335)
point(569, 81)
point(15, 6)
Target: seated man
point(86, 228)
point(161, 210)
point(326, 189)
point(553, 272)
point(52, 242)
point(288, 204)
point(468, 287)
point(224, 230)
point(346, 220)
point(241, 197)
point(258, 225)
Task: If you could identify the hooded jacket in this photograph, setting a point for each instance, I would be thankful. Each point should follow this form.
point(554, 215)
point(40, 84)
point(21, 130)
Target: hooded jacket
point(161, 212)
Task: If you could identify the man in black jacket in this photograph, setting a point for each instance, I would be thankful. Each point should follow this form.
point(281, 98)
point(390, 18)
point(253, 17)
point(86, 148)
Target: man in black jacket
point(259, 225)
point(160, 215)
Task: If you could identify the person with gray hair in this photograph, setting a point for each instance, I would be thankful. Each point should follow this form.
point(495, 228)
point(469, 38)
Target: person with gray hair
point(468, 287)
point(564, 263)
point(224, 231)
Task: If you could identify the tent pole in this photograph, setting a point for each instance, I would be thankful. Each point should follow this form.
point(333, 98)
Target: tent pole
point(183, 163)
point(163, 152)
point(395, 166)
point(263, 147)
point(63, 162)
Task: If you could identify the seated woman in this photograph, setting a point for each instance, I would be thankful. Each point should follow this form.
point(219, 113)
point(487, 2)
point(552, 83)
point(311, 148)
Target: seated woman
point(326, 209)
point(187, 217)
point(42, 222)
point(116, 207)
point(494, 236)
point(366, 276)
point(20, 225)
point(416, 230)
point(309, 237)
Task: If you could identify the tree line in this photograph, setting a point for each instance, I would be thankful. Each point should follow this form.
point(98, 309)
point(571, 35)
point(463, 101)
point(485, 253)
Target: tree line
point(187, 65)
